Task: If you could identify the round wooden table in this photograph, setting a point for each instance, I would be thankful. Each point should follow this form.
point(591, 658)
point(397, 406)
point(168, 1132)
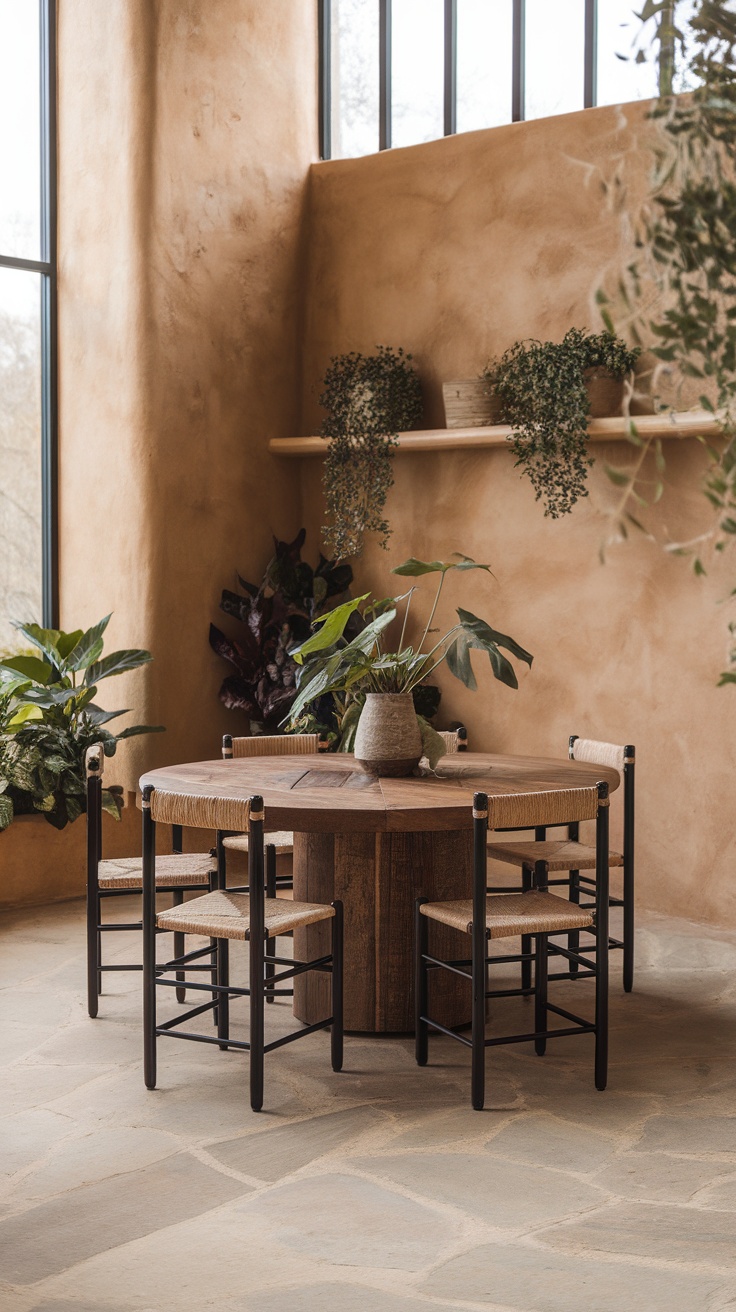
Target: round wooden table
point(378, 844)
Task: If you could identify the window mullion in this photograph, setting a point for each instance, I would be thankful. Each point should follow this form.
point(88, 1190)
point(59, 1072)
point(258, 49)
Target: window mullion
point(384, 29)
point(324, 19)
point(450, 67)
point(591, 54)
point(519, 60)
point(49, 368)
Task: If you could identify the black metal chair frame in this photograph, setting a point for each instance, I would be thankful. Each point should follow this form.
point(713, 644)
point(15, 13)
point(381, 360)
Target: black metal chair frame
point(480, 964)
point(264, 973)
point(578, 883)
point(96, 927)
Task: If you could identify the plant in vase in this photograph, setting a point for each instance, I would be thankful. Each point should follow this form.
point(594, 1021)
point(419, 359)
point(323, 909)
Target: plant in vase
point(545, 390)
point(49, 717)
point(390, 737)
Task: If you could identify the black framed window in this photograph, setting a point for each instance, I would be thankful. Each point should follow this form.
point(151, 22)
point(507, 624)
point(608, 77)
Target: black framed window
point(28, 374)
point(399, 72)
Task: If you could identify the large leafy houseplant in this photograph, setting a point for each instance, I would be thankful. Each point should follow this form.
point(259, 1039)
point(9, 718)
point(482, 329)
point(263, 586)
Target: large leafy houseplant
point(679, 290)
point(369, 400)
point(49, 717)
point(543, 391)
point(276, 615)
point(333, 662)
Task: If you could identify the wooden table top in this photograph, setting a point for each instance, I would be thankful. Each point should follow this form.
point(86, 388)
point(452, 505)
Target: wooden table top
point(328, 793)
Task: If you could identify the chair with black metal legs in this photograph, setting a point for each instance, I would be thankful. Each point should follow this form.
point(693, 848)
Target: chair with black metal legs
point(121, 876)
point(224, 915)
point(574, 857)
point(535, 914)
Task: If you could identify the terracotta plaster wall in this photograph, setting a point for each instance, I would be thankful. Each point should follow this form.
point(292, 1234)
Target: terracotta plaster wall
point(454, 250)
point(186, 133)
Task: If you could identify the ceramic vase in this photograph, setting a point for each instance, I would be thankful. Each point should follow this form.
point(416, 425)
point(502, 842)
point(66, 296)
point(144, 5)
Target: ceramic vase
point(388, 743)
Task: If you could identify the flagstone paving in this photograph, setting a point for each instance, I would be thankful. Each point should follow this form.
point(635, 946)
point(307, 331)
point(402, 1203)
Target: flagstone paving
point(376, 1190)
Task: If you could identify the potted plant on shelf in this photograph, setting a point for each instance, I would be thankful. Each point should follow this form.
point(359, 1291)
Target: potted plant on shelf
point(49, 717)
point(547, 390)
point(276, 613)
point(369, 400)
point(390, 738)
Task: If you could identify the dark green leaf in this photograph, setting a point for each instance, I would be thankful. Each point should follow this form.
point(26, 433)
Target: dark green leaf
point(118, 662)
point(88, 647)
point(134, 729)
point(29, 666)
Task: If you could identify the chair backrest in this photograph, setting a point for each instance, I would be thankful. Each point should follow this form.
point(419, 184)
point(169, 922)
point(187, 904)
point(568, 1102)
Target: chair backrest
point(286, 744)
point(618, 758)
point(455, 740)
point(523, 810)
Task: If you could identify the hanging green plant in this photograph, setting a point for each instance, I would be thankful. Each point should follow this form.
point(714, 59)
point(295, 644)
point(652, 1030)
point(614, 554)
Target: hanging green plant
point(679, 289)
point(544, 393)
point(369, 400)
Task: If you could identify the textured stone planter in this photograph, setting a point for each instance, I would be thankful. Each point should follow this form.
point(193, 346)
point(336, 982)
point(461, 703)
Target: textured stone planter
point(388, 742)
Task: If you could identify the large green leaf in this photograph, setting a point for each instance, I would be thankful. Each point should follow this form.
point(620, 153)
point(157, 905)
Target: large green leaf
point(29, 666)
point(433, 745)
point(413, 568)
point(67, 642)
point(331, 628)
point(366, 639)
point(118, 662)
point(45, 639)
point(48, 697)
point(486, 635)
point(23, 715)
point(134, 729)
point(12, 683)
point(312, 688)
point(458, 661)
point(88, 647)
point(98, 716)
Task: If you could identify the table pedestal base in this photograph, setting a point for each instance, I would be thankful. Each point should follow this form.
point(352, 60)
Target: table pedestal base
point(378, 877)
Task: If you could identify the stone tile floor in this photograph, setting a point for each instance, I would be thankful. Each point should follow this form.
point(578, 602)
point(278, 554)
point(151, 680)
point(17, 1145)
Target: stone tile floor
point(377, 1190)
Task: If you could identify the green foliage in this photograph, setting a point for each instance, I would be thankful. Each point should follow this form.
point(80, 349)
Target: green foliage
point(335, 663)
point(542, 387)
point(369, 400)
point(680, 289)
point(49, 717)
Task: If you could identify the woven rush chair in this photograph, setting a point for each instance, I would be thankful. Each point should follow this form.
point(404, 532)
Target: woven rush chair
point(296, 744)
point(223, 915)
point(535, 914)
point(455, 740)
point(121, 876)
point(574, 857)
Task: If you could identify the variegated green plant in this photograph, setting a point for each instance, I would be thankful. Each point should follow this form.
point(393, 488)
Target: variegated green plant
point(49, 717)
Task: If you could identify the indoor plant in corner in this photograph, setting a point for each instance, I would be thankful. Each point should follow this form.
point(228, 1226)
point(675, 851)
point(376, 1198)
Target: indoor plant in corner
point(390, 738)
point(49, 717)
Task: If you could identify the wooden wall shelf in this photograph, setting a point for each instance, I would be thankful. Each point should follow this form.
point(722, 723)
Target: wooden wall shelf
point(688, 423)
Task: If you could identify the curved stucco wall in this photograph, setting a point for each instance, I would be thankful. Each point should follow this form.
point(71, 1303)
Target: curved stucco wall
point(186, 131)
point(454, 250)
